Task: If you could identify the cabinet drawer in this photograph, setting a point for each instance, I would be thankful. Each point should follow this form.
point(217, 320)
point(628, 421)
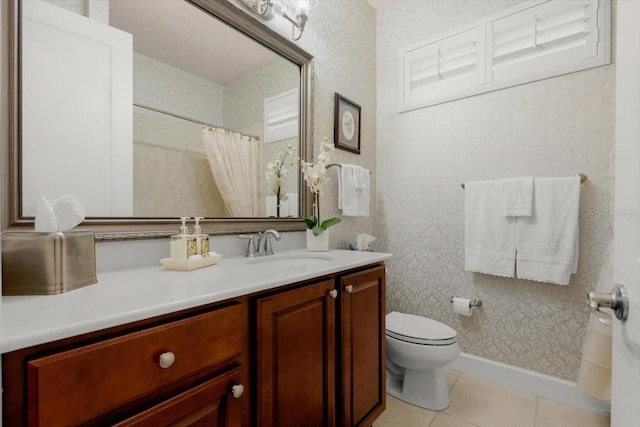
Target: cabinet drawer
point(209, 404)
point(77, 385)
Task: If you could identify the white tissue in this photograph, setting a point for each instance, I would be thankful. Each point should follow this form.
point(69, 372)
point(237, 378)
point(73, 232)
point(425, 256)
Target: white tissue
point(363, 241)
point(58, 213)
point(462, 306)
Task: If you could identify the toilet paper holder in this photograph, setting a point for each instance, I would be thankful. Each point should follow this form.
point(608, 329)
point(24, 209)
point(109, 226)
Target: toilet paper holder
point(472, 303)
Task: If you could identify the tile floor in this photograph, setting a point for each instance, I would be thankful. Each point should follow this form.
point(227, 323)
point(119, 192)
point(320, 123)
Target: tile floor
point(476, 403)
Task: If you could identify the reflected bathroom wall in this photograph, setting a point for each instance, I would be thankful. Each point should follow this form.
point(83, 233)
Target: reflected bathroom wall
point(171, 172)
point(244, 111)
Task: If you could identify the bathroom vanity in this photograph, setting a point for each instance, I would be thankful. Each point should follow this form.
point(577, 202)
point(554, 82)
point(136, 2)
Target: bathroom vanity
point(296, 340)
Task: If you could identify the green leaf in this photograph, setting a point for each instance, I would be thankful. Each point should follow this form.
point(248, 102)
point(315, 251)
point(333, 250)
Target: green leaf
point(310, 221)
point(329, 222)
point(318, 230)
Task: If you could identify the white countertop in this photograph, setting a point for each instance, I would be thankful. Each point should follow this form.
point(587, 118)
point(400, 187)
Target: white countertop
point(126, 296)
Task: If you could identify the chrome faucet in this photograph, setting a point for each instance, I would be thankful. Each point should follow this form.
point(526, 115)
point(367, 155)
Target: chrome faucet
point(260, 244)
point(265, 248)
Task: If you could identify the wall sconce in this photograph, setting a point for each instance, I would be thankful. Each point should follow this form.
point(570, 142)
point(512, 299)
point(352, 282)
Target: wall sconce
point(294, 11)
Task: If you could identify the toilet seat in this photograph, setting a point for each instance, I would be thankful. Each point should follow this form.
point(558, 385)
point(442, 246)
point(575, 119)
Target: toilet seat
point(419, 330)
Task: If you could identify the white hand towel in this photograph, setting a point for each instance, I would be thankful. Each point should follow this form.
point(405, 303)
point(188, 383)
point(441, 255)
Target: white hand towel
point(360, 177)
point(352, 199)
point(547, 241)
point(490, 237)
point(517, 196)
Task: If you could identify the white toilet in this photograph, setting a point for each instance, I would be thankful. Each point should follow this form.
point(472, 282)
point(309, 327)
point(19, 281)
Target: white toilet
point(417, 351)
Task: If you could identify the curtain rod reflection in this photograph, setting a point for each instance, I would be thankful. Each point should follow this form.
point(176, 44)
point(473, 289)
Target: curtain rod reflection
point(200, 122)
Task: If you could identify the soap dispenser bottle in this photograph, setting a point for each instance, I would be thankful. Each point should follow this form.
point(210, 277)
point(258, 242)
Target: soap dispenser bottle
point(179, 242)
point(202, 240)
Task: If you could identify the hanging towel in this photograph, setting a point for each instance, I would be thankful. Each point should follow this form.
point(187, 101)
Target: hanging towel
point(517, 196)
point(353, 190)
point(490, 237)
point(360, 177)
point(547, 241)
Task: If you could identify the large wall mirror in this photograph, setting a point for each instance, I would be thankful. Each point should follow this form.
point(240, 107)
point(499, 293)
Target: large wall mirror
point(146, 111)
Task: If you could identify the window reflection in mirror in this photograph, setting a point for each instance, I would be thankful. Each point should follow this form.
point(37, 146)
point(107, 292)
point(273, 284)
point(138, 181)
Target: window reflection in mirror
point(162, 112)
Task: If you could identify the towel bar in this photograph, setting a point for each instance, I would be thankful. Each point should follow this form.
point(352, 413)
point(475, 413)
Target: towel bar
point(330, 165)
point(582, 176)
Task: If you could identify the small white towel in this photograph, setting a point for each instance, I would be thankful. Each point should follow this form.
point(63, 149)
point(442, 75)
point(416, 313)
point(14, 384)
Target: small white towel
point(517, 196)
point(353, 190)
point(547, 241)
point(490, 237)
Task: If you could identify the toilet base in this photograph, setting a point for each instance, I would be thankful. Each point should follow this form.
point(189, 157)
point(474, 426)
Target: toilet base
point(427, 389)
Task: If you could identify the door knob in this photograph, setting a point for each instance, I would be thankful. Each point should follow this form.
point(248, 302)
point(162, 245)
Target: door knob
point(617, 300)
point(333, 293)
point(349, 288)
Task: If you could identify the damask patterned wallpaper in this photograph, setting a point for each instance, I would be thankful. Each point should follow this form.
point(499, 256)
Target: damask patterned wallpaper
point(341, 37)
point(556, 127)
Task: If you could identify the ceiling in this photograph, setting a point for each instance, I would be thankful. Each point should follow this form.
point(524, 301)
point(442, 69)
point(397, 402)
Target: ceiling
point(181, 35)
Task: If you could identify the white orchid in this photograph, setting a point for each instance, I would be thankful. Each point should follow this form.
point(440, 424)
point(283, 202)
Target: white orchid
point(277, 172)
point(315, 175)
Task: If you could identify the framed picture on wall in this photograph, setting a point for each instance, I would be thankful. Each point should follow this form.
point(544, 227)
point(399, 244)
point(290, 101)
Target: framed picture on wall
point(347, 124)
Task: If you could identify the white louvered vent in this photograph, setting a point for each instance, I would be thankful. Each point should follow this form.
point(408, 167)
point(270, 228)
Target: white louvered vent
point(532, 41)
point(281, 113)
point(549, 36)
point(443, 67)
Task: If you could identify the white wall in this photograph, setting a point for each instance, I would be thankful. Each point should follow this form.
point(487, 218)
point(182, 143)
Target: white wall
point(168, 88)
point(556, 127)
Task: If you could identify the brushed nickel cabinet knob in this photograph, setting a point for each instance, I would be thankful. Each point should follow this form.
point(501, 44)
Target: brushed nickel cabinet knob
point(237, 390)
point(166, 359)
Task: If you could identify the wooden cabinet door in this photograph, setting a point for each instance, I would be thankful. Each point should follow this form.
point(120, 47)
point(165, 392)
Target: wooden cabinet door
point(211, 404)
point(362, 368)
point(296, 357)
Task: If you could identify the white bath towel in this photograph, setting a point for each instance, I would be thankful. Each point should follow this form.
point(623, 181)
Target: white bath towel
point(353, 190)
point(547, 241)
point(517, 196)
point(490, 237)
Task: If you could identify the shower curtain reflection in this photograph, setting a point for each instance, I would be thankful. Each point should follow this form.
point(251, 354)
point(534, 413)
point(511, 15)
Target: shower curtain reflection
point(235, 162)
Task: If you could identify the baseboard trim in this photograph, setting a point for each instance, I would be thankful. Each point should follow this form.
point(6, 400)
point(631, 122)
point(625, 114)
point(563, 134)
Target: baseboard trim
point(562, 391)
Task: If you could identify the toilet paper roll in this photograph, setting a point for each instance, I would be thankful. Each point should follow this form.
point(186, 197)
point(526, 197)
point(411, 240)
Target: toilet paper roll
point(461, 306)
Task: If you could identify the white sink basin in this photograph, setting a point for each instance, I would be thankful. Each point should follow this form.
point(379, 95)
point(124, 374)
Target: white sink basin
point(290, 260)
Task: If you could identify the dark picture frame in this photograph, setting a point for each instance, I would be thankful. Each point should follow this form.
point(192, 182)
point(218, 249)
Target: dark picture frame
point(346, 129)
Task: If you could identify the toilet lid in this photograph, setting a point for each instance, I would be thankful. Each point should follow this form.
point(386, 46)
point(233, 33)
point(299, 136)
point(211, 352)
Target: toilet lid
point(419, 330)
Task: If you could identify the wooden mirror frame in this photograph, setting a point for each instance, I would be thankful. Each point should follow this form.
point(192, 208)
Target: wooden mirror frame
point(146, 228)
